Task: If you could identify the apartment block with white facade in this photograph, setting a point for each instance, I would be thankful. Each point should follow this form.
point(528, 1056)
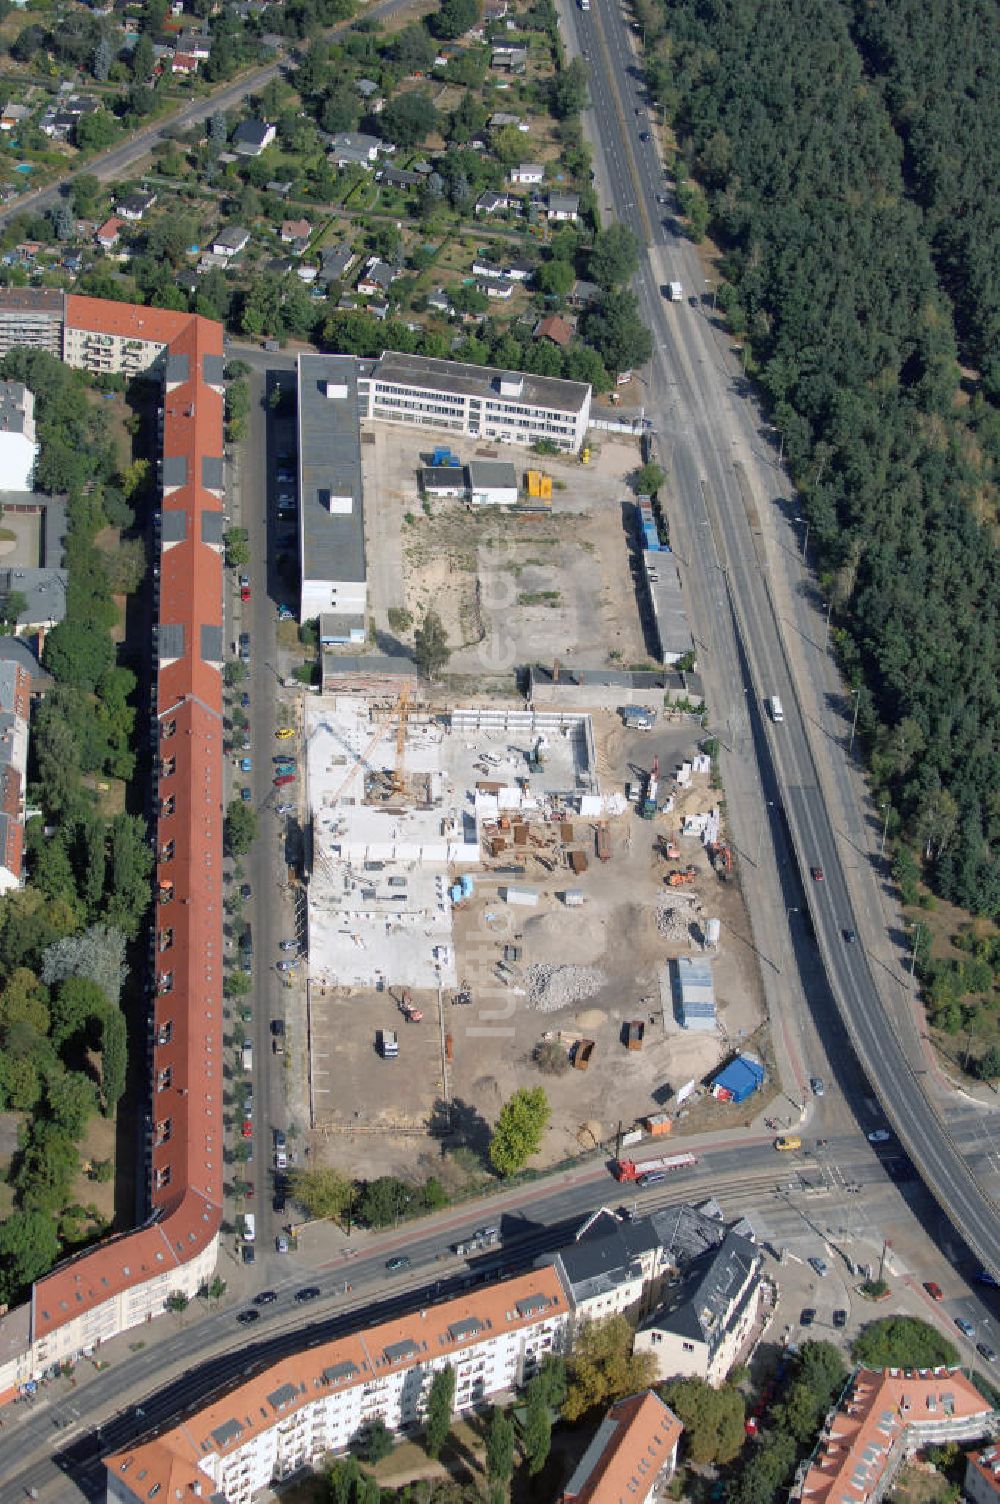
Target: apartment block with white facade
point(18, 444)
point(332, 571)
point(317, 1401)
point(511, 407)
point(709, 1315)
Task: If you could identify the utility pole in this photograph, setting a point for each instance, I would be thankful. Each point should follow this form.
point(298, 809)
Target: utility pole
point(826, 634)
point(854, 724)
point(885, 828)
point(916, 943)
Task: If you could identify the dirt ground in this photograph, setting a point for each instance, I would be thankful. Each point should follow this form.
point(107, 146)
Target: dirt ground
point(392, 1112)
point(510, 588)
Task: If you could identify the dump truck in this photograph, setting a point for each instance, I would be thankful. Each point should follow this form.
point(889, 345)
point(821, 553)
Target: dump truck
point(412, 1014)
point(603, 843)
point(649, 1171)
point(635, 1032)
point(583, 1052)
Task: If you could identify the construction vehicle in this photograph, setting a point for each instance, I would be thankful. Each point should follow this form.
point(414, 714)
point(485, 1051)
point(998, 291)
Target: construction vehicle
point(669, 848)
point(536, 757)
point(634, 1032)
point(648, 807)
point(603, 843)
point(583, 1053)
point(649, 1171)
point(681, 877)
point(722, 857)
point(412, 1014)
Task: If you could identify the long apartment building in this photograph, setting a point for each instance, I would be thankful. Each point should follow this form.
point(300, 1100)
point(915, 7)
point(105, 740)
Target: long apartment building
point(323, 1398)
point(124, 1282)
point(15, 711)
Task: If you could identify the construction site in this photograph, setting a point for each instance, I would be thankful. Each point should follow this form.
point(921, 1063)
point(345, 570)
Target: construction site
point(501, 897)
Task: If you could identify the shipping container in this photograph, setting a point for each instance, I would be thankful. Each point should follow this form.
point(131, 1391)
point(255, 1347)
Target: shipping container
point(573, 898)
point(528, 897)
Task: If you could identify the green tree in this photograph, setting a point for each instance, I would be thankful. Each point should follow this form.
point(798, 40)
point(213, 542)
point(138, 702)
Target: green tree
point(29, 1247)
point(499, 1447)
point(408, 119)
point(537, 1436)
point(603, 1368)
point(95, 132)
point(130, 871)
point(568, 92)
point(453, 19)
point(712, 1418)
point(24, 1000)
point(555, 278)
point(384, 1200)
point(70, 1099)
point(768, 1471)
point(97, 954)
point(77, 1004)
point(324, 1193)
point(440, 1404)
point(142, 59)
point(902, 1342)
point(649, 478)
point(413, 48)
point(114, 1060)
point(77, 653)
point(85, 191)
point(45, 1169)
point(614, 257)
point(519, 1129)
point(616, 330)
point(237, 545)
point(431, 648)
point(378, 1442)
point(240, 827)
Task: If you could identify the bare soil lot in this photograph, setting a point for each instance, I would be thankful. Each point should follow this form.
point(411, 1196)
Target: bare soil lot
point(553, 975)
point(510, 588)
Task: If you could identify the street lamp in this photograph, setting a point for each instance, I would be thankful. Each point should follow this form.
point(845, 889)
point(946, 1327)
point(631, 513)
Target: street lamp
point(917, 927)
point(773, 428)
point(792, 909)
point(742, 350)
point(805, 539)
point(826, 634)
point(768, 804)
point(715, 289)
point(885, 827)
point(856, 693)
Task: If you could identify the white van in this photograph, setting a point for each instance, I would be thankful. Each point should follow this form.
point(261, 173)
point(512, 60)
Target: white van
point(249, 1227)
point(247, 1055)
point(774, 706)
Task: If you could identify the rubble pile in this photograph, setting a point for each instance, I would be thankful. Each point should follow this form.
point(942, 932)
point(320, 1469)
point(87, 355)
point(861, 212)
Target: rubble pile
point(552, 987)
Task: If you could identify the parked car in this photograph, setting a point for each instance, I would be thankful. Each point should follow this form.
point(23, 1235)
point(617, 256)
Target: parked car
point(284, 732)
point(245, 700)
point(807, 1316)
point(985, 1351)
point(965, 1327)
point(933, 1289)
point(816, 1084)
point(283, 779)
point(287, 965)
point(281, 1243)
point(289, 945)
point(246, 764)
point(821, 1267)
point(249, 1256)
point(245, 794)
point(840, 1318)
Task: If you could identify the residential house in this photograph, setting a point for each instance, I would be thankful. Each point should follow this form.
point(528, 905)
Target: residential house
point(15, 711)
point(582, 294)
point(498, 288)
point(379, 309)
point(483, 267)
point(185, 64)
point(18, 443)
point(632, 1456)
point(367, 88)
point(397, 177)
point(554, 328)
point(280, 266)
point(982, 1476)
point(509, 59)
point(885, 1416)
point(109, 234)
point(231, 241)
point(528, 174)
point(296, 233)
point(354, 148)
point(501, 118)
point(133, 206)
point(610, 1266)
point(521, 271)
point(439, 301)
point(280, 190)
point(377, 277)
point(336, 262)
point(307, 274)
point(492, 203)
point(251, 137)
point(13, 116)
point(562, 207)
point(710, 1315)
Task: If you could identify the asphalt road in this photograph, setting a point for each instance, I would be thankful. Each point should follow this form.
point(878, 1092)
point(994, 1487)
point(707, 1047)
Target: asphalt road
point(710, 431)
point(55, 1443)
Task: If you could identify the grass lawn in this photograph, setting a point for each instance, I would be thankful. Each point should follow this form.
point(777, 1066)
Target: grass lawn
point(919, 1483)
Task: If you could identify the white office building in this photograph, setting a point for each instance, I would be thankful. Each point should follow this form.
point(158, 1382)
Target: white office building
point(510, 407)
point(332, 576)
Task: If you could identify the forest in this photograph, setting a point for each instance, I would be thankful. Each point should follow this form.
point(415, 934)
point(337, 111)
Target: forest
point(844, 156)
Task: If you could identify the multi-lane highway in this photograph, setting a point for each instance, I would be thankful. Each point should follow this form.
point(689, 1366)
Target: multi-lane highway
point(710, 434)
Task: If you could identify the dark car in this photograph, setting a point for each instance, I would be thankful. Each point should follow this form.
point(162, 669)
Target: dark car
point(624, 1214)
point(807, 1316)
point(246, 891)
point(985, 1351)
point(265, 1298)
point(249, 1257)
point(245, 700)
point(278, 1202)
point(850, 937)
point(246, 1318)
point(277, 1027)
point(310, 1292)
point(397, 1265)
point(644, 136)
point(817, 874)
point(839, 1319)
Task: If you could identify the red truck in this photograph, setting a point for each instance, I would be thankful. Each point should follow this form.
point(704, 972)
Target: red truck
point(650, 1171)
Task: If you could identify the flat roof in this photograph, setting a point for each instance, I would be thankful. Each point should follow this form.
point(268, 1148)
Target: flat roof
point(667, 599)
point(480, 381)
point(332, 543)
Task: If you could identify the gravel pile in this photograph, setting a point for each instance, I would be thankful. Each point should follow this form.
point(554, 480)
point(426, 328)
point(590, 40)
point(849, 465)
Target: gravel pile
point(553, 987)
point(675, 913)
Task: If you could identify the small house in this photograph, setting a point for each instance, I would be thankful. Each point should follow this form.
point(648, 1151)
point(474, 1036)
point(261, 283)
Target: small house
point(232, 241)
point(492, 483)
point(251, 137)
point(528, 174)
point(377, 277)
point(133, 206)
point(109, 233)
point(492, 203)
point(555, 329)
point(562, 207)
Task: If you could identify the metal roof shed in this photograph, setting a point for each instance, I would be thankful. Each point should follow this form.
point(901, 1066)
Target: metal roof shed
point(740, 1078)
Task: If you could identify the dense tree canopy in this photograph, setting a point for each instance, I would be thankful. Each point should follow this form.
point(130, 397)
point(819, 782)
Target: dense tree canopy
point(850, 212)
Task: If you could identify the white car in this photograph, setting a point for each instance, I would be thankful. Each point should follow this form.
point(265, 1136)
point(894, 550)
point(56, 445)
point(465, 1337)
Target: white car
point(285, 809)
point(289, 945)
point(879, 1136)
point(287, 965)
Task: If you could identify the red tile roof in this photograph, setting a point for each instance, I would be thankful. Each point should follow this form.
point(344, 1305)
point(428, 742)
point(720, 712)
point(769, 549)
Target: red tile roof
point(880, 1407)
point(188, 1202)
point(640, 1436)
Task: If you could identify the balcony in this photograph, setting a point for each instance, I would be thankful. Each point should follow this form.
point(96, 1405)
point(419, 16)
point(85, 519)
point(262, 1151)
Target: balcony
point(165, 891)
point(167, 730)
point(167, 852)
point(168, 806)
point(166, 939)
point(168, 767)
